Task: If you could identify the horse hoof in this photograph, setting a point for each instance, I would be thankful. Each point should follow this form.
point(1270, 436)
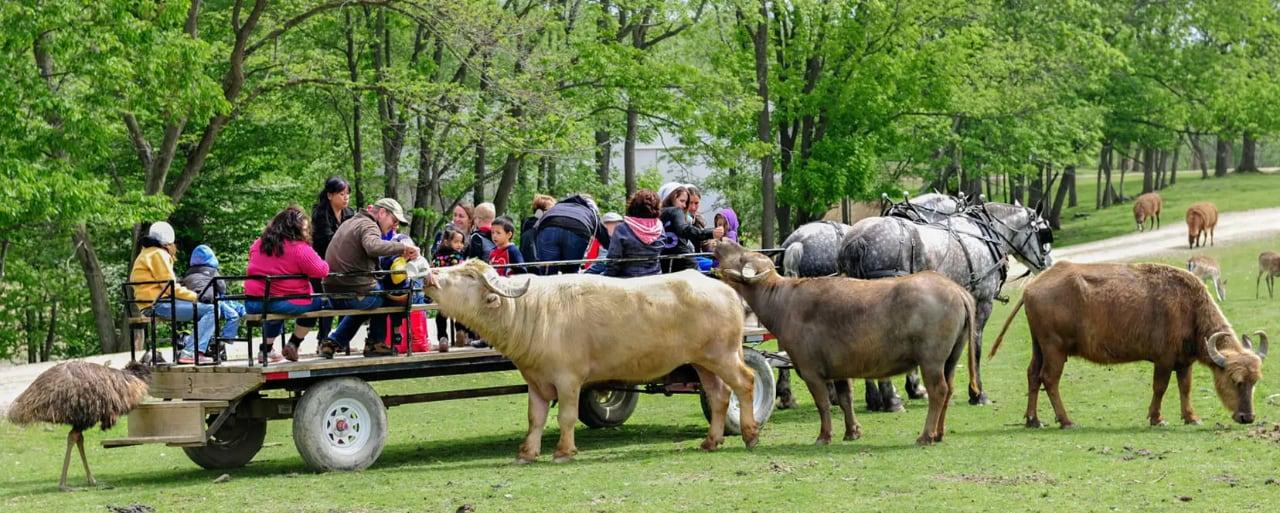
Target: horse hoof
point(1034, 423)
point(1067, 425)
point(822, 441)
point(924, 440)
point(849, 437)
point(1158, 423)
point(979, 400)
point(1192, 421)
point(709, 445)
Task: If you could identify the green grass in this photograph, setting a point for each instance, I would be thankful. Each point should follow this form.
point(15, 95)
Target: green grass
point(443, 455)
point(1232, 193)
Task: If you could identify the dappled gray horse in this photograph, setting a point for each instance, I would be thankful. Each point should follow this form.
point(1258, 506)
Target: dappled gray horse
point(970, 248)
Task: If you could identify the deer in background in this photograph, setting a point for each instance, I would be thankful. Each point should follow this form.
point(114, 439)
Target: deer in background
point(1268, 264)
point(1202, 218)
point(1206, 268)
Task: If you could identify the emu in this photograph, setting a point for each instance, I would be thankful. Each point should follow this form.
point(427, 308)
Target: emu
point(81, 394)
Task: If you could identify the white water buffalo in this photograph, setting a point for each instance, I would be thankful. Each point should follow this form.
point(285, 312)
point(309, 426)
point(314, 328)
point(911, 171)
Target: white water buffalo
point(566, 331)
point(837, 328)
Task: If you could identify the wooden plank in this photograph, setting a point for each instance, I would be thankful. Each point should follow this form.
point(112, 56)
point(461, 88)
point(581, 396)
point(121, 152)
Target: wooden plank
point(204, 384)
point(355, 360)
point(188, 441)
point(255, 318)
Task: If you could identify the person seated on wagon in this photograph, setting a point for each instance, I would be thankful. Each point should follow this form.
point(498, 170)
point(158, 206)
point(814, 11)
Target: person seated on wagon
point(283, 249)
point(352, 256)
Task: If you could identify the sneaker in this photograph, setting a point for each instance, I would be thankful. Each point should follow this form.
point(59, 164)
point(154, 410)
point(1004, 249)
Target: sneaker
point(270, 355)
point(290, 352)
point(444, 344)
point(479, 344)
point(378, 349)
point(327, 347)
point(188, 358)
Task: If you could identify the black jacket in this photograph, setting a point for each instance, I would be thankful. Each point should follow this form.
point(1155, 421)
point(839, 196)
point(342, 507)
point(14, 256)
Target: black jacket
point(324, 225)
point(198, 277)
point(577, 215)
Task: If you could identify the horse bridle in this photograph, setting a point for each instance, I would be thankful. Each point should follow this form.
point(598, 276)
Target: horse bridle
point(1042, 235)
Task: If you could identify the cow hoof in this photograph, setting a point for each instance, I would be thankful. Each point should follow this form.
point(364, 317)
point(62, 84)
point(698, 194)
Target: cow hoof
point(1158, 423)
point(1034, 423)
point(924, 440)
point(851, 436)
point(786, 403)
point(752, 442)
point(1192, 421)
point(822, 440)
point(709, 445)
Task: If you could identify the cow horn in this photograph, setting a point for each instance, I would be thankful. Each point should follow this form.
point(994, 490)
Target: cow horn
point(1211, 345)
point(491, 282)
point(1261, 351)
point(753, 277)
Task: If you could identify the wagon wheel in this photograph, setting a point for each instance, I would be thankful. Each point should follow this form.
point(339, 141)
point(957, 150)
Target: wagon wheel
point(235, 443)
point(763, 395)
point(340, 424)
point(601, 408)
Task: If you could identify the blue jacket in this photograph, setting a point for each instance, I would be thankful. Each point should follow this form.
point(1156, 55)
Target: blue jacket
point(625, 244)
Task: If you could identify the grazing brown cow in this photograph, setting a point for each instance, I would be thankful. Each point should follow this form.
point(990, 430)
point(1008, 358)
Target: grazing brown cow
point(1119, 313)
point(835, 328)
point(1268, 264)
point(1147, 207)
point(1202, 218)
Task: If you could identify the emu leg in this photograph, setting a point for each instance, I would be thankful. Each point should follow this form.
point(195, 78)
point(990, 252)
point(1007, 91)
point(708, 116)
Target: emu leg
point(978, 396)
point(1158, 387)
point(786, 400)
point(87, 474)
point(852, 431)
point(66, 460)
point(1184, 393)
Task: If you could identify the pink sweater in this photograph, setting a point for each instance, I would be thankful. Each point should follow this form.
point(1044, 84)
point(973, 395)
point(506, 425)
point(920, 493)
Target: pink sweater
point(298, 258)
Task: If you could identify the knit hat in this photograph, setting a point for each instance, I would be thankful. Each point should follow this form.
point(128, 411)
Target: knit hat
point(162, 232)
point(666, 190)
point(611, 217)
point(203, 255)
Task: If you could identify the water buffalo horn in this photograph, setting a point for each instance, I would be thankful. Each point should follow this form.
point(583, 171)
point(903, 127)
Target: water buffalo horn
point(491, 283)
point(1211, 345)
point(1261, 351)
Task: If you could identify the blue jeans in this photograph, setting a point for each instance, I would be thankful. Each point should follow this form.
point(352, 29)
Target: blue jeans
point(556, 243)
point(272, 329)
point(350, 324)
point(203, 315)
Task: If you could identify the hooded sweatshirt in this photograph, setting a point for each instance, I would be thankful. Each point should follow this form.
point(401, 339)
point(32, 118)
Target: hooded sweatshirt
point(636, 237)
point(203, 269)
point(155, 264)
point(731, 222)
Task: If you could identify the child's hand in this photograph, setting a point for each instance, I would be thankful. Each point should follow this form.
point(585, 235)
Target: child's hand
point(718, 233)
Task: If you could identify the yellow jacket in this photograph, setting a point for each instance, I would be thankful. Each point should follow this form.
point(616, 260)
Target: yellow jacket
point(155, 264)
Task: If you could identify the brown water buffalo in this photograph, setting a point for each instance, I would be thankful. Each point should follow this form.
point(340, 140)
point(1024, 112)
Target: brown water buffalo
point(836, 328)
point(566, 331)
point(1202, 219)
point(1147, 208)
point(1120, 313)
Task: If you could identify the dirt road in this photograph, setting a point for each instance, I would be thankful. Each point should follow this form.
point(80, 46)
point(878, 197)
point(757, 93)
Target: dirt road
point(1234, 227)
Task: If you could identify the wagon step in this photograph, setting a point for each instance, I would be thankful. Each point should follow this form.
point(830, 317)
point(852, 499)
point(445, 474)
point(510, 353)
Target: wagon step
point(176, 423)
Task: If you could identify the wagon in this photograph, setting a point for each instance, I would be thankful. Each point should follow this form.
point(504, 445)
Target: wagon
point(218, 414)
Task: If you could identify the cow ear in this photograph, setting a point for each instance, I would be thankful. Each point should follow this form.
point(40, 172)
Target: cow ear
point(492, 300)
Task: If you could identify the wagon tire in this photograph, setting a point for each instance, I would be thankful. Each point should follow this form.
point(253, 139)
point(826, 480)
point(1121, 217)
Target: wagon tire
point(763, 395)
point(600, 408)
point(340, 424)
point(237, 441)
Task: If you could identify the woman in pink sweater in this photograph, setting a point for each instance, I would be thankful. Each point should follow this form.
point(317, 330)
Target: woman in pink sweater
point(284, 249)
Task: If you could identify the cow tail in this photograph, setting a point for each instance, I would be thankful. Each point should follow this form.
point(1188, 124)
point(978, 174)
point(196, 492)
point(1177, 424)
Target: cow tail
point(1005, 328)
point(791, 259)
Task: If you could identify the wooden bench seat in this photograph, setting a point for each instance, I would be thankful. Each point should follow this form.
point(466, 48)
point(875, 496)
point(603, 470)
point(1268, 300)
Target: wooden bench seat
point(257, 318)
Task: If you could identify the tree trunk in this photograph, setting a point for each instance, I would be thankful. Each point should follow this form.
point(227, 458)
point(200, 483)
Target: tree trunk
point(763, 130)
point(1148, 169)
point(1036, 192)
point(510, 169)
point(1173, 162)
point(1197, 154)
point(47, 350)
point(1162, 159)
point(1222, 156)
point(542, 175)
point(1071, 190)
point(604, 152)
point(629, 150)
point(99, 299)
point(1068, 184)
point(357, 143)
point(4, 255)
point(1108, 157)
point(29, 327)
point(551, 178)
point(1249, 154)
point(422, 199)
point(1097, 191)
point(393, 129)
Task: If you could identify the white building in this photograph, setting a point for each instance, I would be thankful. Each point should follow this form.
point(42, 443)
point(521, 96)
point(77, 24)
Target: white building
point(659, 154)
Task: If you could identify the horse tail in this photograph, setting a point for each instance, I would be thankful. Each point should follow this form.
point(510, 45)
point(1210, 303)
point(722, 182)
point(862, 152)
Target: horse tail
point(971, 334)
point(791, 259)
point(1005, 328)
